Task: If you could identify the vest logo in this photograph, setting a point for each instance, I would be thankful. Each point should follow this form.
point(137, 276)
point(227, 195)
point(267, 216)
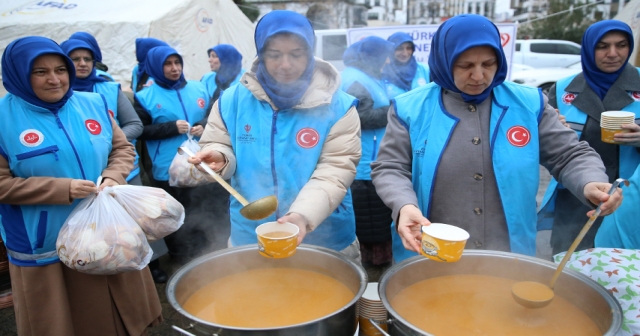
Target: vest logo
point(201, 102)
point(113, 115)
point(93, 126)
point(148, 83)
point(635, 95)
point(307, 138)
point(247, 128)
point(568, 97)
point(31, 138)
point(158, 106)
point(518, 136)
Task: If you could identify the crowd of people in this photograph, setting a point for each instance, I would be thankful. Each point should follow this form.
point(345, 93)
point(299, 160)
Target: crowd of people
point(358, 160)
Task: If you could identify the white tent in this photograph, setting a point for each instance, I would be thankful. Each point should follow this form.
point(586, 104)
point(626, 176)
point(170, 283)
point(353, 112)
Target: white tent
point(631, 15)
point(190, 26)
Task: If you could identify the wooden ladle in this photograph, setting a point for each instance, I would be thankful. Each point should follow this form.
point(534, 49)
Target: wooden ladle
point(532, 294)
point(255, 210)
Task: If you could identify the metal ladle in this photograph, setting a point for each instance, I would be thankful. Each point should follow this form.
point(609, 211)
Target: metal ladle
point(255, 210)
point(532, 294)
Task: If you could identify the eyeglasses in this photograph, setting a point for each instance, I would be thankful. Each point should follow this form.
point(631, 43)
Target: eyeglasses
point(85, 59)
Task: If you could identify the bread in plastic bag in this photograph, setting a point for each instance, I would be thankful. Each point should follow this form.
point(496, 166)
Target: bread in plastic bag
point(99, 237)
point(183, 174)
point(157, 212)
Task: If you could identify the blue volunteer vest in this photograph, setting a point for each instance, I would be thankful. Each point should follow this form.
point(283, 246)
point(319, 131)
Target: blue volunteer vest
point(370, 138)
point(613, 228)
point(209, 81)
point(111, 91)
point(515, 110)
point(421, 78)
point(164, 105)
point(104, 74)
point(74, 143)
point(277, 153)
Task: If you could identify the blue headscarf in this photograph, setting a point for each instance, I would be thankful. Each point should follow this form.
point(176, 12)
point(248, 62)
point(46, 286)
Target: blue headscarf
point(368, 55)
point(398, 73)
point(155, 66)
point(82, 84)
point(230, 64)
point(143, 45)
point(456, 36)
point(97, 54)
point(598, 80)
point(17, 64)
point(284, 96)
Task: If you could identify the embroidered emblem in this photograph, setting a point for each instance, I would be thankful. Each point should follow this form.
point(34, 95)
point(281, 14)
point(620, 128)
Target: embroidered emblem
point(201, 102)
point(112, 114)
point(568, 97)
point(93, 126)
point(247, 128)
point(518, 136)
point(31, 138)
point(635, 95)
point(307, 138)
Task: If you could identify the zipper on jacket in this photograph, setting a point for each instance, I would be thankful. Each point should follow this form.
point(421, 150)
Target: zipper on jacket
point(184, 110)
point(375, 148)
point(50, 149)
point(157, 151)
point(274, 175)
point(59, 122)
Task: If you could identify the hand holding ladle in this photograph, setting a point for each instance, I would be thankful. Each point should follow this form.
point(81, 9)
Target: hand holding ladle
point(532, 294)
point(255, 210)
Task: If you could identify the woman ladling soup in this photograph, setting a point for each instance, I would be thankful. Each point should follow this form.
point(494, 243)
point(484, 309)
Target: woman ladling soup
point(53, 143)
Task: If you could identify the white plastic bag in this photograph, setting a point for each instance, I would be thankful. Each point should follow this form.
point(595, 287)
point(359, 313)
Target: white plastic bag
point(183, 174)
point(99, 237)
point(157, 212)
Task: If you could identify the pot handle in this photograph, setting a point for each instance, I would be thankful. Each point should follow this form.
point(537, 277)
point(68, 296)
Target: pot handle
point(182, 331)
point(375, 325)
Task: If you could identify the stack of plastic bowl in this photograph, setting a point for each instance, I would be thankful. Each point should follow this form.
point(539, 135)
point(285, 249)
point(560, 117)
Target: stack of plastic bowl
point(370, 307)
point(611, 122)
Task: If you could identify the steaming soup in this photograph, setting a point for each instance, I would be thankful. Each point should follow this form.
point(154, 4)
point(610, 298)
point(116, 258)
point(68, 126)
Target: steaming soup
point(270, 297)
point(482, 305)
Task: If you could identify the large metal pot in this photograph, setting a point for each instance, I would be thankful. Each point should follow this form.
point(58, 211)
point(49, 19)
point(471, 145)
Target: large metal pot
point(202, 271)
point(575, 287)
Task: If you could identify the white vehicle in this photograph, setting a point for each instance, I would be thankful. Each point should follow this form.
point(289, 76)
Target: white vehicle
point(546, 53)
point(330, 45)
point(544, 78)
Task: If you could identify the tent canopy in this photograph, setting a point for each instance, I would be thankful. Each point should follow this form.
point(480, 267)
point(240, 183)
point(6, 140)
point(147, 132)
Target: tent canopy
point(190, 26)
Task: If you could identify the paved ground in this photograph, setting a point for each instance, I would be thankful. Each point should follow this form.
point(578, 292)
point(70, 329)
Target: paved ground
point(220, 234)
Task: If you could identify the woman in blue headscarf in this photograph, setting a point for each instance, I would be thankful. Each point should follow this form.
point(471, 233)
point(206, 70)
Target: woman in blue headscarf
point(139, 77)
point(169, 109)
point(226, 69)
point(465, 150)
point(607, 83)
point(403, 73)
point(362, 79)
point(53, 143)
point(287, 130)
point(101, 68)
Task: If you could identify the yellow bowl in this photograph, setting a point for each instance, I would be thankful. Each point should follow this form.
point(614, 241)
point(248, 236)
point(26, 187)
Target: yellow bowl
point(443, 242)
point(277, 240)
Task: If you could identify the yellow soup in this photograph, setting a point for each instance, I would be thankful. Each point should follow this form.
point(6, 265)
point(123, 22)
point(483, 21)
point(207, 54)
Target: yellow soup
point(482, 305)
point(270, 297)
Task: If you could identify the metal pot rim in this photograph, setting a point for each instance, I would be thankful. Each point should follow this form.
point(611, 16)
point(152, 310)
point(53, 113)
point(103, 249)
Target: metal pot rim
point(182, 271)
point(396, 318)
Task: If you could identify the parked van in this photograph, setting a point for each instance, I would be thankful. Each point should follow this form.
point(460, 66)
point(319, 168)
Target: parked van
point(546, 53)
point(330, 45)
